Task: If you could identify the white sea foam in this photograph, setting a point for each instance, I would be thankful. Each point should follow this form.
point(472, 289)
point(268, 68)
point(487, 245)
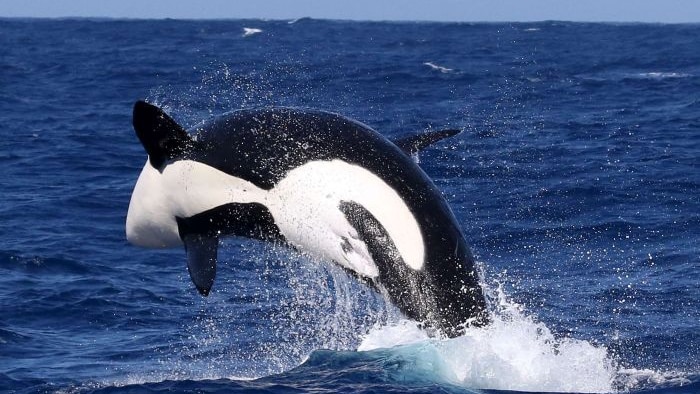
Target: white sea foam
point(438, 67)
point(635, 76)
point(629, 378)
point(661, 75)
point(515, 352)
point(249, 31)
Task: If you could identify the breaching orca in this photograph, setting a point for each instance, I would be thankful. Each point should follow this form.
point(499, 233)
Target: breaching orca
point(318, 182)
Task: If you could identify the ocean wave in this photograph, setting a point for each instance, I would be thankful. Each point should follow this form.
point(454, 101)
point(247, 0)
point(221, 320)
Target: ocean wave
point(298, 20)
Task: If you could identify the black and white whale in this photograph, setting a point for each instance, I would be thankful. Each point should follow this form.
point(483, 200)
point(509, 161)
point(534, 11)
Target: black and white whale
point(318, 182)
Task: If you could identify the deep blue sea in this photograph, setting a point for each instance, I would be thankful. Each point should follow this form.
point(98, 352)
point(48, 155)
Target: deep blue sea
point(576, 181)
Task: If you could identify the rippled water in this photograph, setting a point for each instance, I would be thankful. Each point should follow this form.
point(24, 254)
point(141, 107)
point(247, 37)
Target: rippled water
point(576, 181)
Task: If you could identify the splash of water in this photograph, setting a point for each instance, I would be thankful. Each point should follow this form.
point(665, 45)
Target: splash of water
point(515, 352)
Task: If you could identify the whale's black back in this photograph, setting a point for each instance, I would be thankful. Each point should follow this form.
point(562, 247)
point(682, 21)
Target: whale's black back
point(263, 145)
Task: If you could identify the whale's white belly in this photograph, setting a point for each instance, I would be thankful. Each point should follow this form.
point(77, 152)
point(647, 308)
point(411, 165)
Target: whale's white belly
point(305, 206)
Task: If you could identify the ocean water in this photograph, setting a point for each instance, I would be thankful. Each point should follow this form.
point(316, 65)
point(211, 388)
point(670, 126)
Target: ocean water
point(576, 181)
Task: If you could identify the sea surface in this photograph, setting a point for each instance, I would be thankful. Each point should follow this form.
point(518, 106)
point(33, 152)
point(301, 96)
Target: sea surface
point(576, 181)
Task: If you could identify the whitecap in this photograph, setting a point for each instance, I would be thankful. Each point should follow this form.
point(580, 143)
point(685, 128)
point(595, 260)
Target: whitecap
point(438, 67)
point(661, 75)
point(632, 76)
point(249, 31)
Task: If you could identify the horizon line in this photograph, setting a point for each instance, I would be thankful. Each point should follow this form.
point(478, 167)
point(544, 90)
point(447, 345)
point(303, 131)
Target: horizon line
point(294, 20)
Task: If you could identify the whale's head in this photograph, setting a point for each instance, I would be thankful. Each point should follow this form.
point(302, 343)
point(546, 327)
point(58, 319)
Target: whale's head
point(177, 192)
point(179, 199)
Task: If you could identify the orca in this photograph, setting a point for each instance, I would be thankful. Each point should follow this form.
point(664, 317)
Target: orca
point(318, 182)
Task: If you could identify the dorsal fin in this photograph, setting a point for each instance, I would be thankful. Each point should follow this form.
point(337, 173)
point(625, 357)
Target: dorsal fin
point(159, 134)
point(415, 143)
